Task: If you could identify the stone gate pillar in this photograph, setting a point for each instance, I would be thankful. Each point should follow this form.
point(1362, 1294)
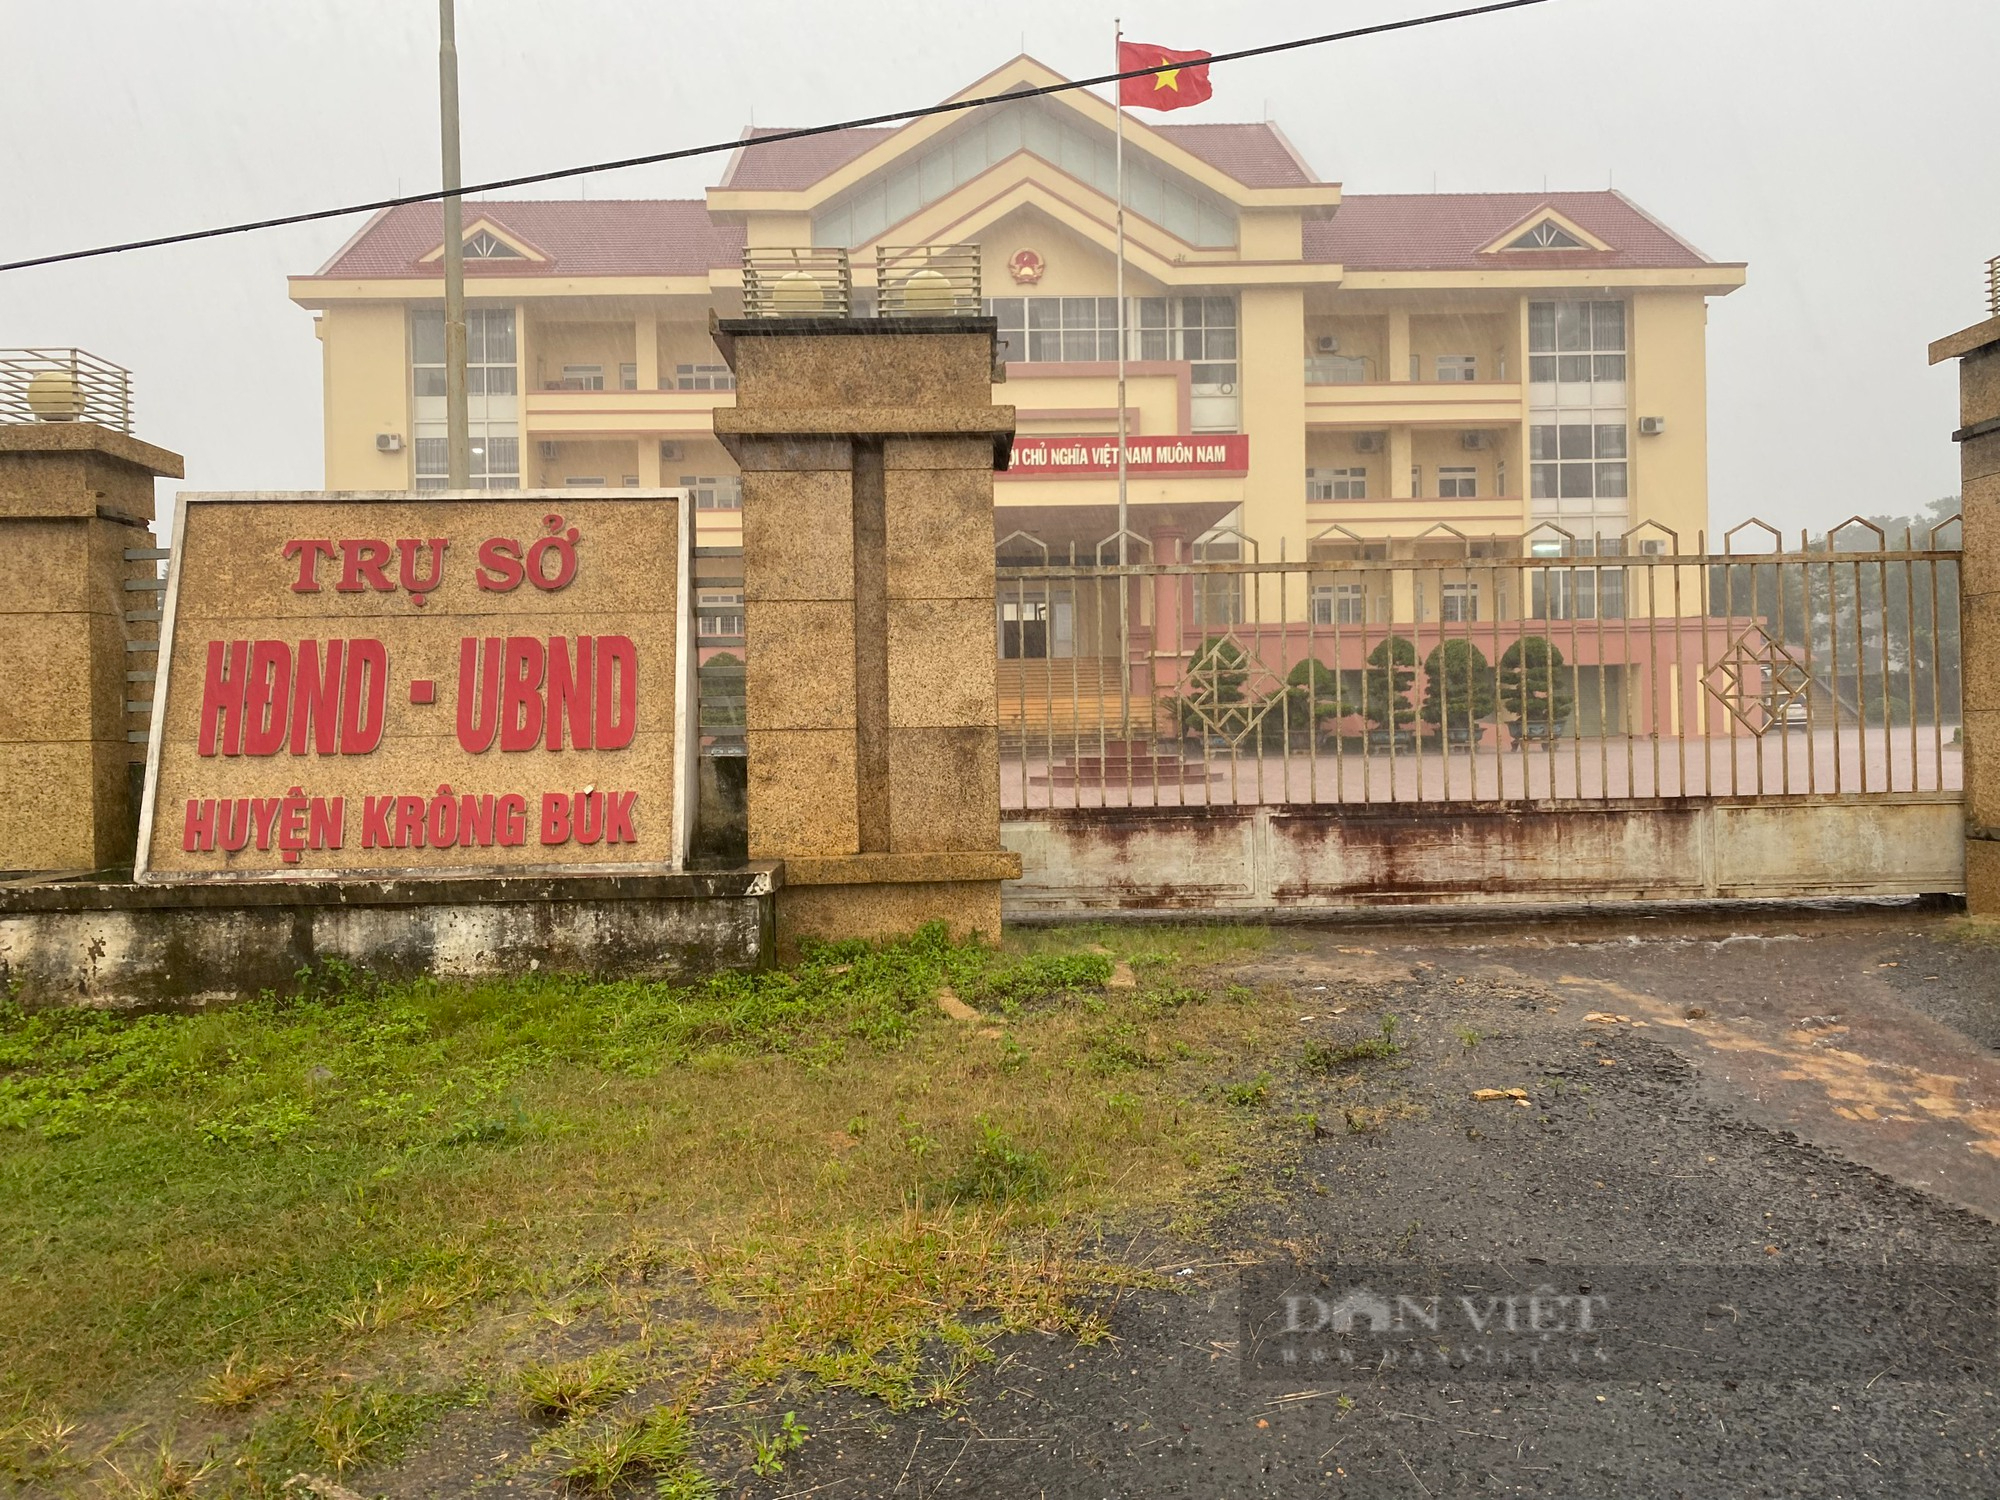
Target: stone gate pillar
point(1978, 351)
point(74, 498)
point(867, 448)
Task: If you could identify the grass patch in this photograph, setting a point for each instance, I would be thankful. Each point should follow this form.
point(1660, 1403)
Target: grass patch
point(239, 1226)
point(596, 1460)
point(1341, 1057)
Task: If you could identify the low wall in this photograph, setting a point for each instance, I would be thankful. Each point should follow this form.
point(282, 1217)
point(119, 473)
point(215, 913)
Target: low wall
point(1305, 858)
point(75, 943)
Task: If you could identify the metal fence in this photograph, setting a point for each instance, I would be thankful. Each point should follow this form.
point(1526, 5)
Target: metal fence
point(1458, 670)
point(64, 385)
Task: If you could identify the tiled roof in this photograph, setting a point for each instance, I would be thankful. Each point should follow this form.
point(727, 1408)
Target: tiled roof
point(786, 166)
point(606, 237)
point(1255, 155)
point(1447, 232)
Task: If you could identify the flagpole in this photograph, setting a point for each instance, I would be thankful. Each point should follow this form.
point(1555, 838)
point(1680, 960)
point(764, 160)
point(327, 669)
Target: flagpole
point(1124, 603)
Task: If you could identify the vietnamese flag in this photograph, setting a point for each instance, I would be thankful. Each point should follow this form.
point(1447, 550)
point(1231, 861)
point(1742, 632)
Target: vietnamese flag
point(1181, 79)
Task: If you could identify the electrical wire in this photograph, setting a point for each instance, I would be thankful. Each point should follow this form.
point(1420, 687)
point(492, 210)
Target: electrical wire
point(770, 139)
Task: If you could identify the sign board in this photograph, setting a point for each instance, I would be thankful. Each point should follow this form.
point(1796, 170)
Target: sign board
point(1210, 453)
point(443, 684)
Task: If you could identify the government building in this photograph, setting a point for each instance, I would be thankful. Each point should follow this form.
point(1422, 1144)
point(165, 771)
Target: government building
point(1310, 374)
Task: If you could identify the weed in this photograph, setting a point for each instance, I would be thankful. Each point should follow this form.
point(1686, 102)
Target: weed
point(1338, 1057)
point(239, 1383)
point(998, 1171)
point(1171, 997)
point(654, 1446)
point(1344, 1402)
point(574, 1387)
point(1468, 1038)
point(1117, 1047)
point(166, 1475)
point(1036, 980)
point(1249, 1095)
point(1012, 1054)
point(769, 1448)
point(35, 1445)
point(343, 1428)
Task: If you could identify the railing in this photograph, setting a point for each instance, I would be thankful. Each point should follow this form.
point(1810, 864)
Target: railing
point(803, 283)
point(1993, 286)
point(1467, 671)
point(64, 385)
point(1336, 369)
point(940, 281)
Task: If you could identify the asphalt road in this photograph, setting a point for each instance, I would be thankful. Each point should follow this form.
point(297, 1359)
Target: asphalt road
point(1789, 1091)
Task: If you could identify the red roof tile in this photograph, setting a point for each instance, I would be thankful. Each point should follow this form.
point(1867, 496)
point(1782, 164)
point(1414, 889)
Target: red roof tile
point(1447, 231)
point(606, 237)
point(1257, 156)
point(786, 166)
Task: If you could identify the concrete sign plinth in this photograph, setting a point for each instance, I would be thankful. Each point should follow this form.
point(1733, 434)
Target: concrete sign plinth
point(74, 499)
point(1978, 351)
point(872, 722)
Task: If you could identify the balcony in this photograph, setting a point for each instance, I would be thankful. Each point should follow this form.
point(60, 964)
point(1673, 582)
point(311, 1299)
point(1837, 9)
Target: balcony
point(551, 414)
point(1335, 398)
point(1406, 517)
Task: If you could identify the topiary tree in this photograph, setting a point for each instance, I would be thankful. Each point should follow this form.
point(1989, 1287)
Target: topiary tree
point(1215, 702)
point(1535, 687)
point(1315, 693)
point(1458, 687)
point(1386, 683)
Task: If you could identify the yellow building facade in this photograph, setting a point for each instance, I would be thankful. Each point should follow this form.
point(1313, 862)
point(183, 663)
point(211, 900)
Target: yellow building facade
point(1309, 372)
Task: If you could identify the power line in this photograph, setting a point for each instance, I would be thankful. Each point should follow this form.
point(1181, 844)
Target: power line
point(774, 138)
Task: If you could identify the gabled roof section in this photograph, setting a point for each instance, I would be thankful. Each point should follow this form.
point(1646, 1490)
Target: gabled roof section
point(1456, 232)
point(523, 249)
point(1544, 229)
point(1252, 165)
point(609, 237)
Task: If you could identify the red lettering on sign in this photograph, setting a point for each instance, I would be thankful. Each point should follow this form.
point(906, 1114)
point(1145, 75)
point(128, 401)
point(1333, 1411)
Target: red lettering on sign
point(316, 697)
point(617, 691)
point(618, 818)
point(363, 568)
point(500, 570)
point(364, 695)
point(308, 553)
point(199, 830)
point(513, 820)
point(267, 698)
point(555, 818)
point(418, 587)
point(521, 694)
point(478, 693)
point(222, 697)
point(569, 693)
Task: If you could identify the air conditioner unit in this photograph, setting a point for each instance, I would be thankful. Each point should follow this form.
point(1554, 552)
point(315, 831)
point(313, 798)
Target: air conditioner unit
point(670, 452)
point(1327, 343)
point(548, 450)
point(1472, 442)
point(1652, 426)
point(1367, 442)
point(388, 442)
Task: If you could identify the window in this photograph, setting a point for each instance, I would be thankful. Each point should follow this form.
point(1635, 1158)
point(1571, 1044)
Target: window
point(715, 492)
point(703, 378)
point(1547, 235)
point(491, 390)
point(1201, 330)
point(487, 246)
point(1574, 343)
point(585, 481)
point(1336, 484)
point(719, 613)
point(1416, 480)
point(1457, 367)
point(1458, 603)
point(1577, 460)
point(496, 460)
point(628, 377)
point(582, 378)
point(1339, 604)
point(489, 351)
point(630, 481)
point(1458, 483)
point(1578, 593)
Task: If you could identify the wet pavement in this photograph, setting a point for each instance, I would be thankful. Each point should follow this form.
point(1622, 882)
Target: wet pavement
point(1790, 1089)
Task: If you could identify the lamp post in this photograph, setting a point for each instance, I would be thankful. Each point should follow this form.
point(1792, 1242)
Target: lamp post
point(458, 432)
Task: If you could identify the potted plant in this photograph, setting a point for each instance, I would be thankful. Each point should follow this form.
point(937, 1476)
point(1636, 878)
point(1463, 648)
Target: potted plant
point(1385, 695)
point(1459, 691)
point(1535, 689)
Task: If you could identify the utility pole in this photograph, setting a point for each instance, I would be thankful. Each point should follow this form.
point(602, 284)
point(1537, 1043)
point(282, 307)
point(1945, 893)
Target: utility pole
point(458, 427)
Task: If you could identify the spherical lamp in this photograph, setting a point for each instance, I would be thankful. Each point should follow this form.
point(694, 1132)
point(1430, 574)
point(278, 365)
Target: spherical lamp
point(55, 396)
point(928, 291)
point(798, 294)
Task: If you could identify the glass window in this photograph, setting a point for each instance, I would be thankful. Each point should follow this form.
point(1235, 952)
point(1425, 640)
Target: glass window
point(704, 378)
point(1336, 484)
point(1457, 367)
point(1459, 603)
point(1458, 482)
point(582, 378)
point(1339, 604)
point(714, 492)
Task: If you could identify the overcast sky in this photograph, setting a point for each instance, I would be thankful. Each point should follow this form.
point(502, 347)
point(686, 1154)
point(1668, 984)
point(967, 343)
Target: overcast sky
point(1841, 147)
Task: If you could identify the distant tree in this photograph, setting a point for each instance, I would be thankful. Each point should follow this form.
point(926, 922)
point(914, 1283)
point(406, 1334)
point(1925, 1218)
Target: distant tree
point(1215, 701)
point(1459, 689)
point(1534, 686)
point(1386, 683)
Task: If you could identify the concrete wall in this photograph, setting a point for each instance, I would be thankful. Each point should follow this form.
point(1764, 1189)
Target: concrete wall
point(1302, 859)
point(127, 945)
point(365, 358)
point(1667, 333)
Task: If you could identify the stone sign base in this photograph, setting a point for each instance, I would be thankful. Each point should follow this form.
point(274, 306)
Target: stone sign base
point(128, 945)
point(887, 895)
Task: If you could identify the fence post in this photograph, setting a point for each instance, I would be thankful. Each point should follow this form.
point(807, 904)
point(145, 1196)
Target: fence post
point(867, 447)
point(74, 499)
point(1978, 351)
